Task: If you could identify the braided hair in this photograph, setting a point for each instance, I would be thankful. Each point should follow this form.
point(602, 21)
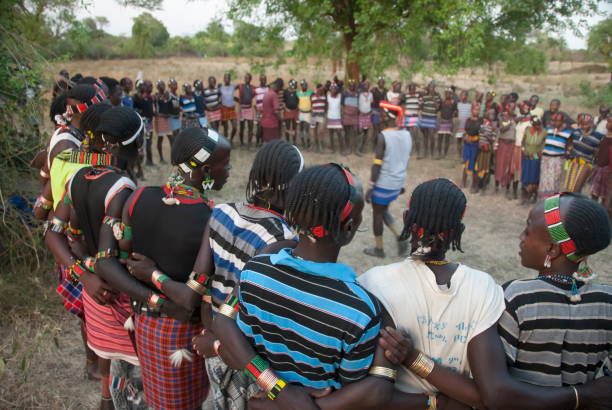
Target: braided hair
point(434, 216)
point(119, 124)
point(82, 92)
point(275, 165)
point(91, 118)
point(188, 142)
point(587, 223)
point(316, 197)
point(58, 107)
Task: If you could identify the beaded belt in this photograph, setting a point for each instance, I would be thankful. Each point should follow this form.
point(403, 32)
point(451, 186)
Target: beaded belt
point(141, 308)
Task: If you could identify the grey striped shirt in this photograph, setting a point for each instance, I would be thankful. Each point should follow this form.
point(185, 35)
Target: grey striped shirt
point(551, 341)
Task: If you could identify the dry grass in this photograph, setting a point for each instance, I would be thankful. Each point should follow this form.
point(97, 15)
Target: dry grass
point(41, 354)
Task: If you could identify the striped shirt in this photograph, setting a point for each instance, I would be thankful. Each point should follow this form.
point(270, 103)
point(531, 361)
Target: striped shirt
point(318, 104)
point(556, 143)
point(259, 96)
point(551, 341)
point(411, 105)
point(464, 111)
point(237, 232)
point(585, 145)
point(430, 105)
point(212, 98)
point(315, 325)
point(188, 104)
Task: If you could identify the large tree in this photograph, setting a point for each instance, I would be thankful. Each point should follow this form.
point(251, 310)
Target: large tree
point(600, 40)
point(148, 33)
point(378, 33)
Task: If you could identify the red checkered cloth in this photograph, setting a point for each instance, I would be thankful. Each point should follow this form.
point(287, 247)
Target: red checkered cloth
point(71, 294)
point(106, 335)
point(213, 115)
point(165, 386)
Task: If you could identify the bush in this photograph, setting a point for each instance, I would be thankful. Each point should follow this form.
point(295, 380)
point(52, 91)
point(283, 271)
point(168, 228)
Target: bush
point(526, 60)
point(594, 98)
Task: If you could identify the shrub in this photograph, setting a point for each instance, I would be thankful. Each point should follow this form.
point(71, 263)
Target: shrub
point(526, 60)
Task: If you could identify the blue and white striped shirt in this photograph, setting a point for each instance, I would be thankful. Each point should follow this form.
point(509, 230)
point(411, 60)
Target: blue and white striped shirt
point(312, 321)
point(556, 143)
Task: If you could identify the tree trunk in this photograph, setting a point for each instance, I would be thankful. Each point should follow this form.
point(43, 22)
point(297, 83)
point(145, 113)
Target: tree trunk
point(351, 62)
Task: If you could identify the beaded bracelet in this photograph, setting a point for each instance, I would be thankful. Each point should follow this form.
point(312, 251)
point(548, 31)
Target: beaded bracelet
point(207, 297)
point(158, 279)
point(383, 372)
point(45, 203)
point(155, 301)
point(432, 401)
point(74, 231)
point(198, 282)
point(89, 263)
point(107, 254)
point(230, 307)
point(75, 271)
point(422, 366)
point(127, 232)
point(259, 371)
point(124, 254)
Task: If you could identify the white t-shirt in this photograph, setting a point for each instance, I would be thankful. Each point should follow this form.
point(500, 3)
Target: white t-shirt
point(440, 322)
point(334, 107)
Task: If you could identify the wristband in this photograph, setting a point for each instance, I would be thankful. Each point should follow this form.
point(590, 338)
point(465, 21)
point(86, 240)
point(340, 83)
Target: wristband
point(57, 225)
point(89, 263)
point(124, 254)
point(432, 401)
point(155, 301)
point(107, 254)
point(207, 297)
point(198, 282)
point(259, 371)
point(422, 366)
point(127, 232)
point(43, 174)
point(158, 279)
point(383, 372)
point(74, 231)
point(377, 161)
point(45, 203)
point(75, 271)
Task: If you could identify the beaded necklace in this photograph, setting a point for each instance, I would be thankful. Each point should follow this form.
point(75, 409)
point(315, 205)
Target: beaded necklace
point(564, 280)
point(435, 262)
point(187, 194)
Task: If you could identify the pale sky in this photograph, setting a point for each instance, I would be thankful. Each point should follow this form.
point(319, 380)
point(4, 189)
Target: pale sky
point(185, 18)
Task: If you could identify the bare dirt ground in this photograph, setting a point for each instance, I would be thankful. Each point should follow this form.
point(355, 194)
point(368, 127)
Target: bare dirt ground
point(41, 354)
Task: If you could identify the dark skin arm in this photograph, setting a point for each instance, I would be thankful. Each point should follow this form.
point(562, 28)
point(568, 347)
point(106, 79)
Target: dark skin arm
point(115, 273)
point(379, 153)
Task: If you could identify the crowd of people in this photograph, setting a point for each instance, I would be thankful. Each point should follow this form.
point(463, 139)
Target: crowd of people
point(187, 304)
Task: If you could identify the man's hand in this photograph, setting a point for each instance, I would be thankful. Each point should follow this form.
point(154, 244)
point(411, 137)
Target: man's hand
point(204, 344)
point(398, 347)
point(141, 267)
point(596, 395)
point(99, 290)
point(290, 398)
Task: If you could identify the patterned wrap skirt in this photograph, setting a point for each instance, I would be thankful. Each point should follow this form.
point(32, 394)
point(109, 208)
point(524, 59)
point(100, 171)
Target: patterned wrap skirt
point(470, 153)
point(228, 113)
point(483, 161)
point(504, 170)
point(106, 335)
point(72, 295)
point(162, 126)
point(428, 122)
point(247, 112)
point(229, 389)
point(290, 114)
point(365, 121)
point(214, 115)
point(446, 126)
point(350, 116)
point(165, 386)
point(412, 121)
point(600, 179)
point(576, 169)
point(551, 171)
point(530, 170)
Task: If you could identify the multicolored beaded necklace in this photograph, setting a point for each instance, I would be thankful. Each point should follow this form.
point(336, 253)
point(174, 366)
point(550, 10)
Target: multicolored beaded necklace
point(564, 279)
point(188, 194)
point(435, 262)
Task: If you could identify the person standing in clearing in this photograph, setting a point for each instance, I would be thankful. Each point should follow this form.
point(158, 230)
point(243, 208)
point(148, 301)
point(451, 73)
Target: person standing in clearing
point(305, 117)
point(558, 135)
point(212, 96)
point(532, 147)
point(290, 114)
point(535, 110)
point(260, 92)
point(412, 102)
point(464, 111)
point(486, 143)
point(127, 86)
point(601, 121)
point(228, 106)
point(271, 112)
point(246, 93)
point(161, 108)
point(388, 176)
point(584, 144)
point(334, 117)
point(350, 116)
point(555, 106)
point(379, 93)
point(430, 105)
point(602, 171)
point(175, 107)
point(319, 106)
point(394, 96)
point(522, 123)
point(504, 171)
point(471, 137)
point(200, 102)
point(365, 116)
point(448, 108)
point(143, 105)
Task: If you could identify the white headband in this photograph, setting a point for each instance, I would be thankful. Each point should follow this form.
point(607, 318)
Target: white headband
point(133, 137)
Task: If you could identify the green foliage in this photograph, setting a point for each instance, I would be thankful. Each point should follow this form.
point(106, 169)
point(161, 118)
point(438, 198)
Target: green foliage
point(593, 98)
point(600, 41)
point(526, 60)
point(148, 34)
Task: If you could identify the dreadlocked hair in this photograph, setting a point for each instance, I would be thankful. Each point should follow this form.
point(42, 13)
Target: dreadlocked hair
point(58, 106)
point(316, 197)
point(91, 118)
point(187, 143)
point(82, 92)
point(587, 223)
point(275, 165)
point(434, 216)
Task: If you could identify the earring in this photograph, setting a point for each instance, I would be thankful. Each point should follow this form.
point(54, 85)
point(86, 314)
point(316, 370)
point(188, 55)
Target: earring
point(208, 183)
point(547, 261)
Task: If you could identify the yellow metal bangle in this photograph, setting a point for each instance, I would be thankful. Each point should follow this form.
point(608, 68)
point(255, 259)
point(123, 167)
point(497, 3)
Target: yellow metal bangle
point(196, 287)
point(227, 310)
point(377, 161)
point(383, 371)
point(422, 366)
